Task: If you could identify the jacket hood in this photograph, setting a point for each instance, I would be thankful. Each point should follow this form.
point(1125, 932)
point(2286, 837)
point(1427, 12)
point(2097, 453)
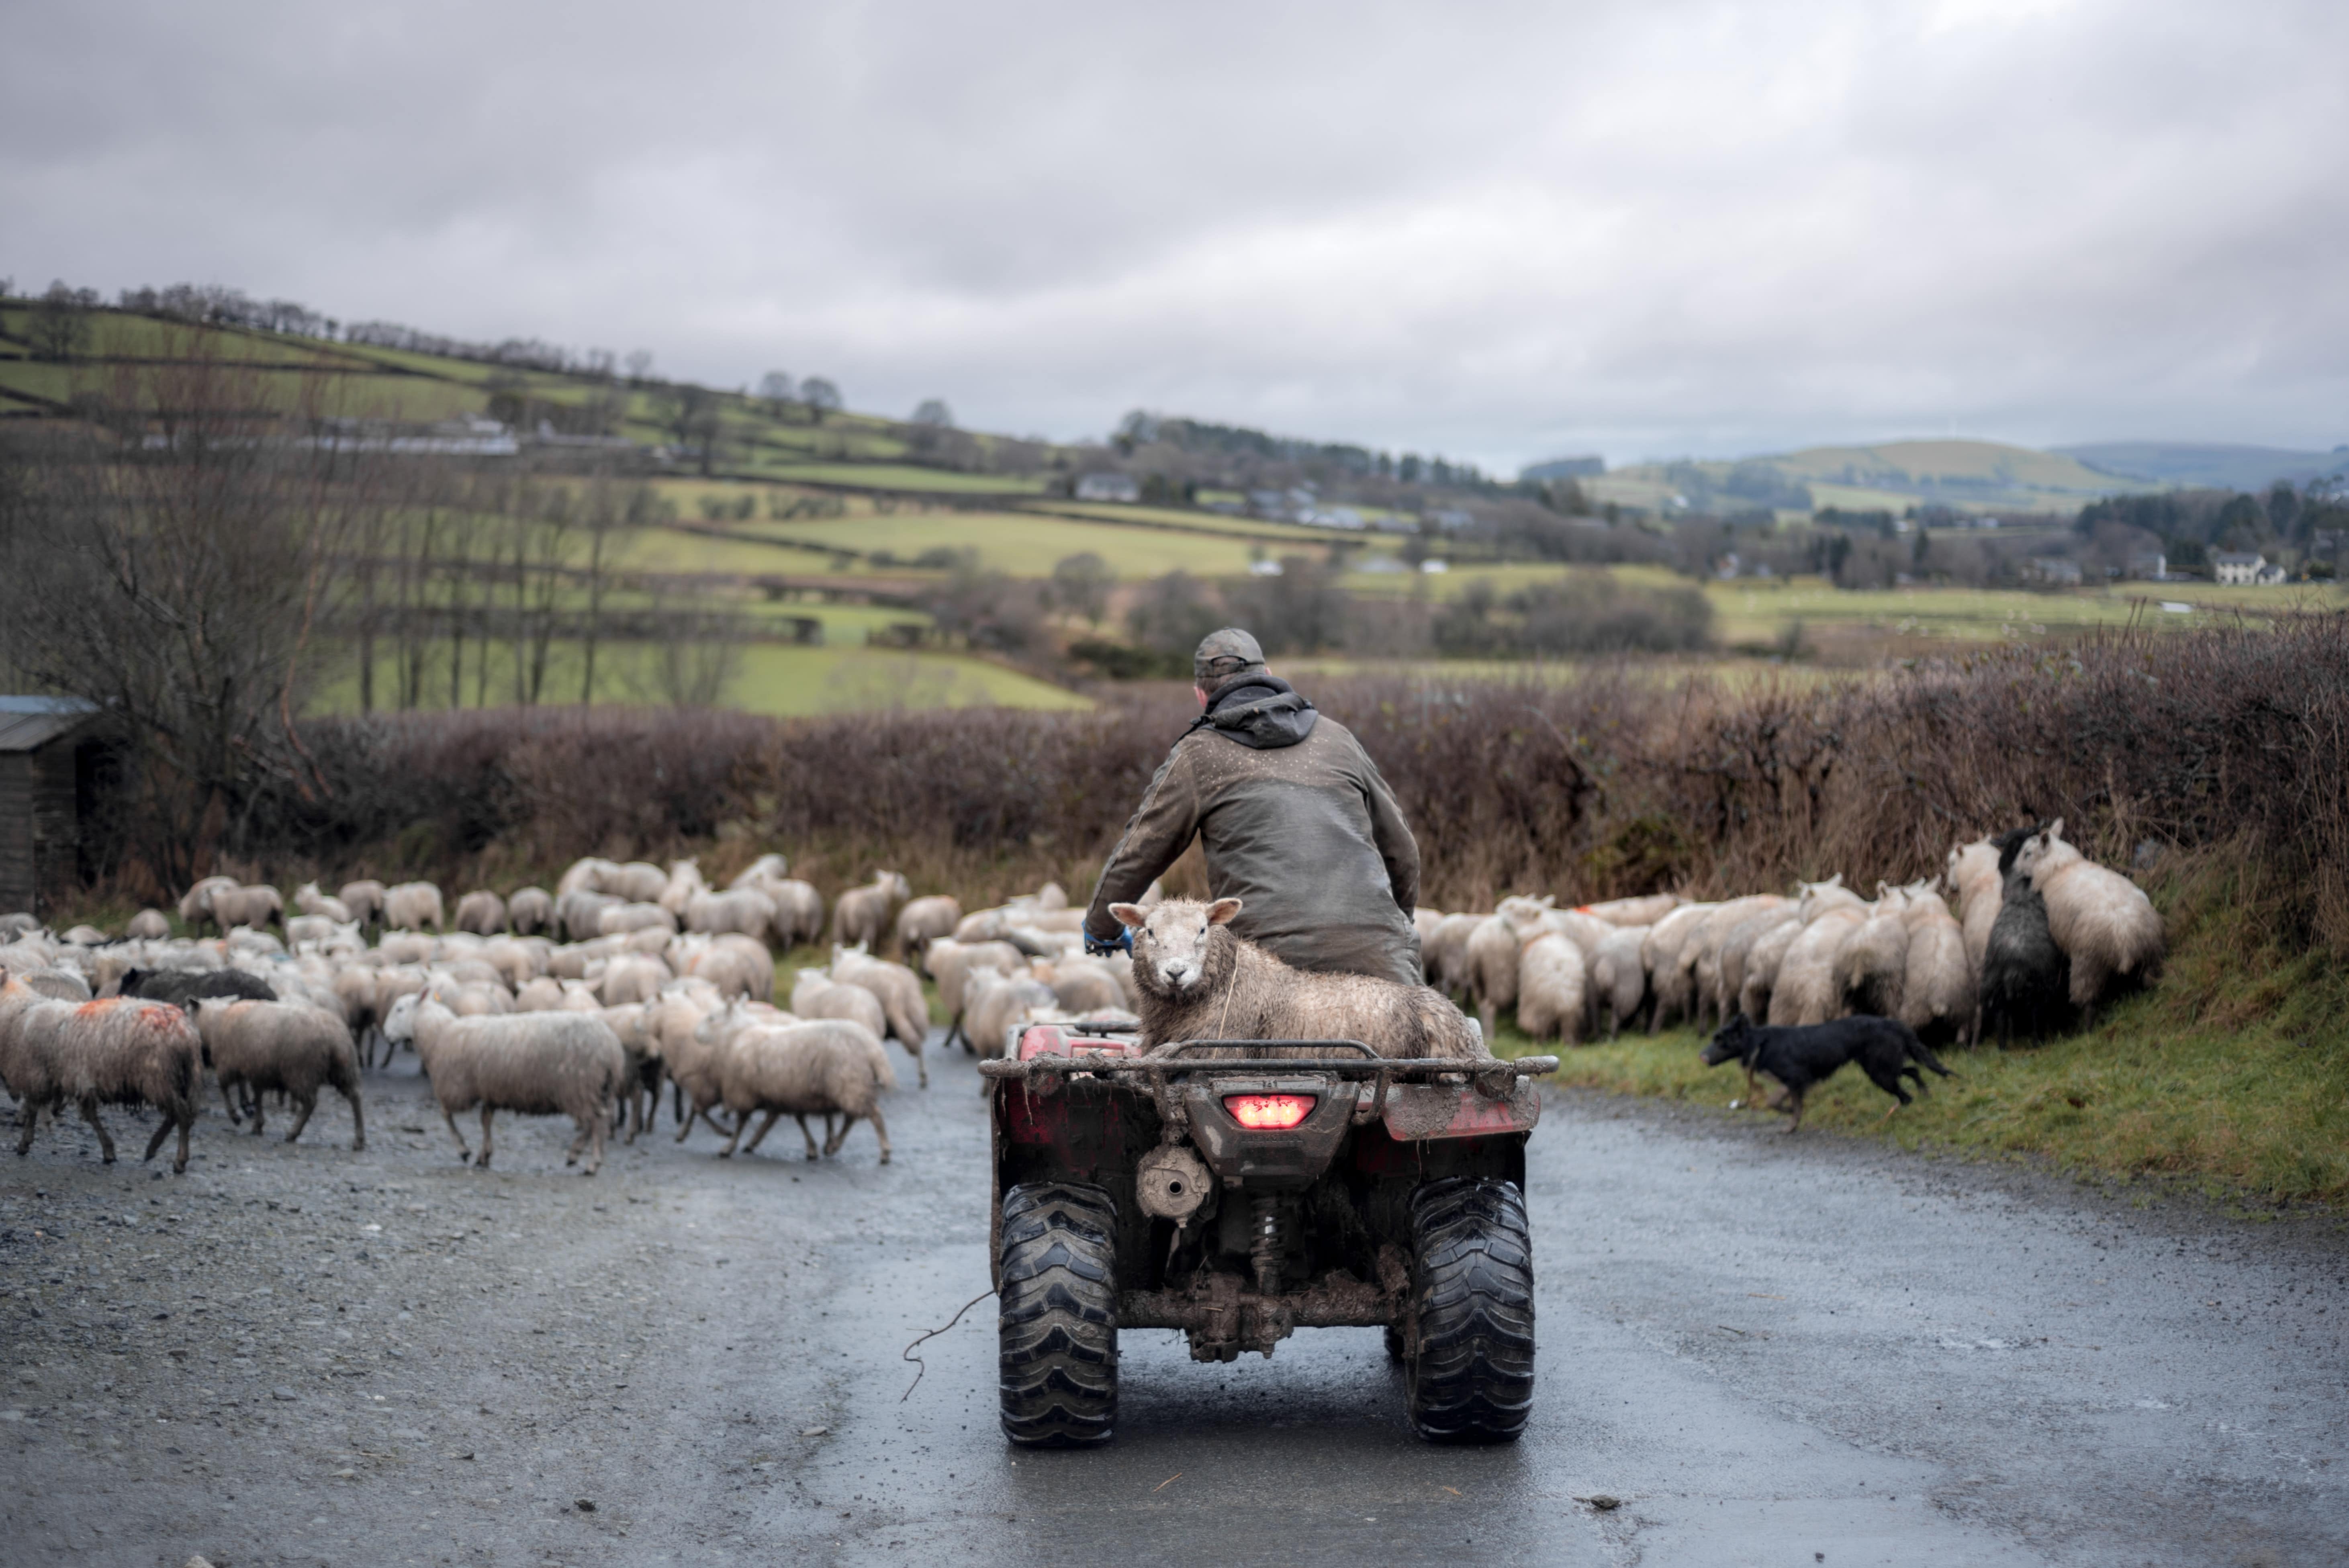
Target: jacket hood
point(1262, 713)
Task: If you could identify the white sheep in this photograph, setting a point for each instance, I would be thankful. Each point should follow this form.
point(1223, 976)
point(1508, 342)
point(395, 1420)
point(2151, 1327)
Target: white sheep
point(579, 914)
point(898, 990)
point(832, 1067)
point(638, 882)
point(1493, 949)
point(147, 925)
point(633, 977)
point(861, 913)
point(1937, 988)
point(2103, 921)
point(816, 995)
point(530, 910)
point(411, 906)
point(1735, 957)
point(1618, 982)
point(1808, 988)
point(1873, 966)
point(1553, 986)
point(586, 876)
point(1972, 874)
point(689, 1058)
point(685, 883)
point(744, 910)
point(1699, 959)
point(254, 906)
point(994, 1000)
point(1081, 985)
point(118, 1051)
point(737, 965)
point(290, 1048)
point(769, 867)
point(1660, 954)
point(363, 899)
point(532, 1064)
point(620, 919)
point(1445, 959)
point(310, 901)
point(482, 912)
point(196, 903)
point(924, 920)
point(1646, 910)
point(949, 961)
point(1199, 981)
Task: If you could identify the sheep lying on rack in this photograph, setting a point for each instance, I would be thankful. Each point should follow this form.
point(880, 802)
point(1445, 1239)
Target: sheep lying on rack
point(1199, 981)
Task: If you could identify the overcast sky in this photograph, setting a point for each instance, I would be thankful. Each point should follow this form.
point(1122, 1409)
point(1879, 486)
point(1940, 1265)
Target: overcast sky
point(1501, 233)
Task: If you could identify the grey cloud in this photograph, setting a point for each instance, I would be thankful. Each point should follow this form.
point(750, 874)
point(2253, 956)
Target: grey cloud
point(1495, 230)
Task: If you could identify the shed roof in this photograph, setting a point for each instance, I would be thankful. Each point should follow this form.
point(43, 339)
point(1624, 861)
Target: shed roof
point(28, 722)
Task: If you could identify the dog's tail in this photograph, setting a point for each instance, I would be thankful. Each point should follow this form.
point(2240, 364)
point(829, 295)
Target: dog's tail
point(1917, 1052)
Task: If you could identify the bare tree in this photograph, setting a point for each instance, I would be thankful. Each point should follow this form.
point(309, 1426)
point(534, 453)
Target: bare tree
point(1082, 583)
point(174, 567)
point(820, 396)
point(59, 323)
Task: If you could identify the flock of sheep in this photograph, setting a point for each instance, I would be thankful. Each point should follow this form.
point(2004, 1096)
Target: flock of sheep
point(583, 1001)
point(2040, 932)
point(579, 1002)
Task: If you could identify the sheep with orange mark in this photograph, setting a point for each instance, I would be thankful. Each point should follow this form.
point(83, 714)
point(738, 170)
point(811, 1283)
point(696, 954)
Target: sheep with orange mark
point(118, 1051)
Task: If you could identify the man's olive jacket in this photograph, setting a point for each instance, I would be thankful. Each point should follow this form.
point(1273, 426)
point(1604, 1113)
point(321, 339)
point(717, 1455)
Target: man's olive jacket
point(1295, 822)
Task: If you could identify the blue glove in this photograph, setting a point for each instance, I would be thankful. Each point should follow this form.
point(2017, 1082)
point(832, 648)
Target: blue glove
point(1101, 947)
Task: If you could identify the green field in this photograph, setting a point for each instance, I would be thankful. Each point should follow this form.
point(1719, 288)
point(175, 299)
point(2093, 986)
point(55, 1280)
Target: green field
point(768, 678)
point(1024, 544)
point(1194, 521)
point(906, 477)
point(796, 681)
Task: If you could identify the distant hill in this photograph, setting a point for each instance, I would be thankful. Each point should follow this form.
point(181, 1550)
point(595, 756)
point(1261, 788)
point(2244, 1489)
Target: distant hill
point(1970, 475)
point(1564, 469)
point(2213, 465)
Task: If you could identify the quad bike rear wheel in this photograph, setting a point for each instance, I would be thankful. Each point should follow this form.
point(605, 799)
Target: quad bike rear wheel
point(1472, 1288)
point(1057, 1330)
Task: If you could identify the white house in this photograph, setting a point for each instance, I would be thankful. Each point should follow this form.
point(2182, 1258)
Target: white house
point(1123, 487)
point(2244, 568)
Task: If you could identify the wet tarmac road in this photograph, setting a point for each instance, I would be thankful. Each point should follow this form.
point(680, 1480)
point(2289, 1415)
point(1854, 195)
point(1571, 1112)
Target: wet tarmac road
point(1769, 1351)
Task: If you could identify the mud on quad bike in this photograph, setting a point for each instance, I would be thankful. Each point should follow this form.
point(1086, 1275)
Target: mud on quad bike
point(1240, 1200)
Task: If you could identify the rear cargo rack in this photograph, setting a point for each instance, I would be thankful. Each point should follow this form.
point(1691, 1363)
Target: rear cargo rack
point(1168, 1062)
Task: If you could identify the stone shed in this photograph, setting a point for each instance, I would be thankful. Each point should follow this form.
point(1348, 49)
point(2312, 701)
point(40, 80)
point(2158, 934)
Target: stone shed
point(51, 765)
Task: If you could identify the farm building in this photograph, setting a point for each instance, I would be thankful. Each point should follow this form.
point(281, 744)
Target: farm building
point(50, 767)
point(1123, 487)
point(2244, 566)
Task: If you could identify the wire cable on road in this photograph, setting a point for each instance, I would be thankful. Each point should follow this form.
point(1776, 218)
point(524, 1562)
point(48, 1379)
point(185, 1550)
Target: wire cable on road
point(920, 1365)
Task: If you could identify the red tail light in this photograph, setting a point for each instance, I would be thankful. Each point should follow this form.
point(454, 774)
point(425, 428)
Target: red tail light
point(1269, 1112)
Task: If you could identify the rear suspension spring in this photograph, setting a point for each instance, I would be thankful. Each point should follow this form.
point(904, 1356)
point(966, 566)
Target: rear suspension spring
point(1269, 1227)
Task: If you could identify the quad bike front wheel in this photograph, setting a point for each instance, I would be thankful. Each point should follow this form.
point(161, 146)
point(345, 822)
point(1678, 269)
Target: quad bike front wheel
point(1472, 1288)
point(1057, 1331)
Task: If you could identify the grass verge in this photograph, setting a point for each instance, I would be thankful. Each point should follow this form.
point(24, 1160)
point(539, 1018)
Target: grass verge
point(2231, 1075)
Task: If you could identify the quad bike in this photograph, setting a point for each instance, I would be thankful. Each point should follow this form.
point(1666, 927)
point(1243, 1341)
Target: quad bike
point(1240, 1200)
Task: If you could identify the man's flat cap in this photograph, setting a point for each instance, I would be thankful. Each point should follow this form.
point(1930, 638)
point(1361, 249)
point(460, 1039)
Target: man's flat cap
point(1226, 653)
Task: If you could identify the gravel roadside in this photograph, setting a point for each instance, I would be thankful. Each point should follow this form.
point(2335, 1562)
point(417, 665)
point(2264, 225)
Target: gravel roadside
point(307, 1355)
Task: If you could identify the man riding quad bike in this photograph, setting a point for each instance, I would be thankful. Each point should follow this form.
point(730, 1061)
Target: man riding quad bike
point(1239, 1188)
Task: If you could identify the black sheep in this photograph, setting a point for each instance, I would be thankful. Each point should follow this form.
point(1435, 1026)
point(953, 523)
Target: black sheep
point(184, 987)
point(2025, 977)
